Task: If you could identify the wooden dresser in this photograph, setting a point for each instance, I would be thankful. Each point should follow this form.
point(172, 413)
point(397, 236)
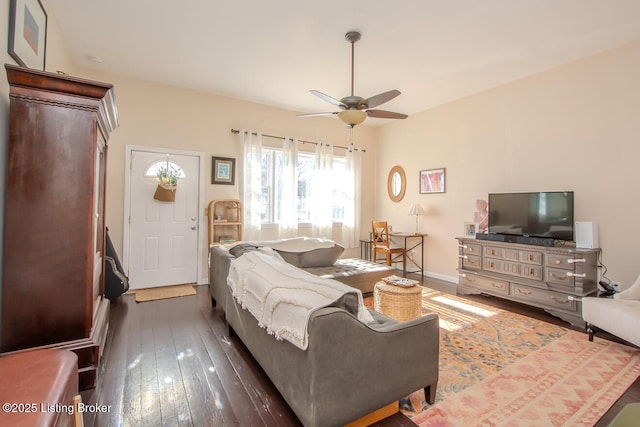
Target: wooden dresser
point(54, 230)
point(552, 278)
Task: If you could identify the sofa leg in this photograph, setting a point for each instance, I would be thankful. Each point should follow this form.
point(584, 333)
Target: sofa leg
point(231, 332)
point(591, 331)
point(430, 393)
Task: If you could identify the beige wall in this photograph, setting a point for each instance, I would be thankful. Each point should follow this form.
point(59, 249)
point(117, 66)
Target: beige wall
point(571, 128)
point(575, 127)
point(157, 115)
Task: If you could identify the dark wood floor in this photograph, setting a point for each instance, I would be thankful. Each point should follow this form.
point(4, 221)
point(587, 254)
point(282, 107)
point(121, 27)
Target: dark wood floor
point(171, 363)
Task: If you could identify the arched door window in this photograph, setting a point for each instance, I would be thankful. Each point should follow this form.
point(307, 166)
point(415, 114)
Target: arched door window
point(153, 169)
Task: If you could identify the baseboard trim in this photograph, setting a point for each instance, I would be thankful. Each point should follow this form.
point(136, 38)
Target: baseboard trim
point(443, 277)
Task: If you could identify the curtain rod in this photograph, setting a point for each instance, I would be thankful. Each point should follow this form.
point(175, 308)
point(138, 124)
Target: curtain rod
point(300, 140)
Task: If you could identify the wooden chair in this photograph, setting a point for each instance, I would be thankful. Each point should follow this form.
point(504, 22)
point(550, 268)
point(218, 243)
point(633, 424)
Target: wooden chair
point(382, 244)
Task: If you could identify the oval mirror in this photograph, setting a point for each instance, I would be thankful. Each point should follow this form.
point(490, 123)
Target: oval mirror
point(396, 183)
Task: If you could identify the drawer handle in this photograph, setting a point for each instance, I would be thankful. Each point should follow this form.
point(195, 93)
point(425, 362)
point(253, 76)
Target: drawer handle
point(573, 261)
point(555, 276)
point(559, 301)
point(462, 246)
point(463, 256)
point(570, 274)
point(558, 262)
point(492, 265)
point(471, 279)
point(470, 249)
point(493, 285)
point(521, 292)
point(530, 258)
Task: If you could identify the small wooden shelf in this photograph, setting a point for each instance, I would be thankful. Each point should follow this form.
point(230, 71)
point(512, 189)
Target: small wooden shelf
point(225, 221)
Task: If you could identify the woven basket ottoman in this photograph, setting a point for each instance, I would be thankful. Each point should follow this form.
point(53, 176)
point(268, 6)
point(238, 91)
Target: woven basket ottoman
point(398, 302)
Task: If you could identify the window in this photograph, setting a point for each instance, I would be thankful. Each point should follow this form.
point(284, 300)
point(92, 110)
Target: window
point(153, 169)
point(273, 186)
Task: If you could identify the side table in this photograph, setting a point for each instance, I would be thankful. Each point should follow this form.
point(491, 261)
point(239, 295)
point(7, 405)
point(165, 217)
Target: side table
point(365, 249)
point(398, 302)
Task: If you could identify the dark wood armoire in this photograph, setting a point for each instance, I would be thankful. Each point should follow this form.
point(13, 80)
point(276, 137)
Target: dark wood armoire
point(54, 230)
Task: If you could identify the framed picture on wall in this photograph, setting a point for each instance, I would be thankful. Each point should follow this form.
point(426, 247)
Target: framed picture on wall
point(432, 181)
point(223, 170)
point(28, 33)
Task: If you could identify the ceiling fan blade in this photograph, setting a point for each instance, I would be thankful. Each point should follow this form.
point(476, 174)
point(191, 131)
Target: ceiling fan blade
point(381, 98)
point(382, 114)
point(328, 113)
point(328, 98)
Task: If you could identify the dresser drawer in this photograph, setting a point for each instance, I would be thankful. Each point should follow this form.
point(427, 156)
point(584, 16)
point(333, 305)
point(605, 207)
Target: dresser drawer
point(531, 257)
point(471, 249)
point(546, 298)
point(493, 252)
point(492, 265)
point(512, 268)
point(472, 262)
point(511, 254)
point(557, 276)
point(485, 283)
point(531, 272)
point(560, 261)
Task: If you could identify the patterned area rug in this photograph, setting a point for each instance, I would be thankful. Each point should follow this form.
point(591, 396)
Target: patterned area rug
point(501, 368)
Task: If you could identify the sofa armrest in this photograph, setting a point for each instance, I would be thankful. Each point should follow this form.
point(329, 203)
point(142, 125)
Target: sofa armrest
point(631, 293)
point(376, 364)
point(219, 259)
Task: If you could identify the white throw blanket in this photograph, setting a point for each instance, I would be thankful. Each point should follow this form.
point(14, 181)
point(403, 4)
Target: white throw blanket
point(282, 297)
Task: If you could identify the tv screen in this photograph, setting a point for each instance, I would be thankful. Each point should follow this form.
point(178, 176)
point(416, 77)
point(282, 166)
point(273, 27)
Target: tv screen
point(543, 214)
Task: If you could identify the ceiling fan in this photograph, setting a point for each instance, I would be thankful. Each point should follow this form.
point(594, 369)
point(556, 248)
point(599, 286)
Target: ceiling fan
point(355, 109)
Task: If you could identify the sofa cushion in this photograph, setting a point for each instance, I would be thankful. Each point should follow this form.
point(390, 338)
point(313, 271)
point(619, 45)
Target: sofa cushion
point(319, 257)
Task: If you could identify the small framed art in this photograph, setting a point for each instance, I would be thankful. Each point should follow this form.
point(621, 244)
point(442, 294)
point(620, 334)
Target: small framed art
point(223, 170)
point(470, 229)
point(28, 33)
point(432, 181)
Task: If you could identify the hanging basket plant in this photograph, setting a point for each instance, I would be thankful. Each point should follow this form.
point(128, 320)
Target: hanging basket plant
point(167, 184)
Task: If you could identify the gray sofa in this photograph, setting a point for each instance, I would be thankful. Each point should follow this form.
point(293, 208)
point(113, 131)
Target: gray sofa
point(349, 369)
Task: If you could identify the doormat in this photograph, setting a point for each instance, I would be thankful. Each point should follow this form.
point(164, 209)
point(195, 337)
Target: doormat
point(163, 292)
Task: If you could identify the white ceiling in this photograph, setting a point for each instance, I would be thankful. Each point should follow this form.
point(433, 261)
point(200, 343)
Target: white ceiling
point(274, 52)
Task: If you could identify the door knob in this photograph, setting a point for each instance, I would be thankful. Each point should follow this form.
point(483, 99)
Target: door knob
point(193, 227)
point(193, 218)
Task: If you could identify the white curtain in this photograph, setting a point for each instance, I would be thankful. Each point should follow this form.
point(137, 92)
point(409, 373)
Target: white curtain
point(322, 205)
point(252, 184)
point(352, 212)
point(288, 192)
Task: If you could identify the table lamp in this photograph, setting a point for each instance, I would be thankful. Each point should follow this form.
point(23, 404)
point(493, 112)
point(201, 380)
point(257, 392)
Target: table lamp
point(416, 210)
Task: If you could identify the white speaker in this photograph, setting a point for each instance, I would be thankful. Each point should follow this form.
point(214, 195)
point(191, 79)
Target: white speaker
point(587, 235)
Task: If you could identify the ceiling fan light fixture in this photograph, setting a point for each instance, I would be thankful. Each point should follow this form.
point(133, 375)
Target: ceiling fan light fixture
point(352, 117)
point(356, 109)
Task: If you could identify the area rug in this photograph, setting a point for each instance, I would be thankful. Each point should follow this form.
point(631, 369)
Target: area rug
point(152, 294)
point(500, 368)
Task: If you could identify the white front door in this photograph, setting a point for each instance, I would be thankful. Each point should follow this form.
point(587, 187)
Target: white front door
point(163, 236)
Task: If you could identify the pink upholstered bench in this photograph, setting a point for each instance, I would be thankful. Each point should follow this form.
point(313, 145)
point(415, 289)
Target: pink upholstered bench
point(39, 388)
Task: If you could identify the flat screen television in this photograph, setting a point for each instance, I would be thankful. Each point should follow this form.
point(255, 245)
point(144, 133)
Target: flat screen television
point(541, 214)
